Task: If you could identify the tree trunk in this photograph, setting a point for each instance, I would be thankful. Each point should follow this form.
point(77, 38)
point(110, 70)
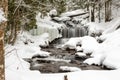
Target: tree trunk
point(107, 10)
point(92, 10)
point(1, 55)
point(4, 6)
point(99, 16)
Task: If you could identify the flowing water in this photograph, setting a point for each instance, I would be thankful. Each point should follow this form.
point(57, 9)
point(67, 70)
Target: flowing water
point(74, 32)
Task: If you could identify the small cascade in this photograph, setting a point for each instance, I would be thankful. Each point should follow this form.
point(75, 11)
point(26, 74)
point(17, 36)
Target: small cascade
point(74, 32)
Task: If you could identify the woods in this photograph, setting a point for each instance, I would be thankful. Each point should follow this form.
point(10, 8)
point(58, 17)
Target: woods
point(22, 13)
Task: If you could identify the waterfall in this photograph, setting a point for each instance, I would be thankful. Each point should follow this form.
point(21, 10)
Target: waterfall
point(73, 32)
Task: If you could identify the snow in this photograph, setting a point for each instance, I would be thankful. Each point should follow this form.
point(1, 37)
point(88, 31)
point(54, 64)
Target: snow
point(2, 18)
point(107, 53)
point(70, 69)
point(104, 28)
point(45, 25)
point(71, 44)
point(75, 12)
point(53, 12)
point(14, 54)
point(78, 48)
point(80, 54)
point(80, 75)
point(62, 18)
point(88, 44)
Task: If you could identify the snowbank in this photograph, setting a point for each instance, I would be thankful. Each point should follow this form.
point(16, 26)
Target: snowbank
point(80, 75)
point(102, 28)
point(28, 39)
point(87, 44)
point(107, 53)
point(26, 46)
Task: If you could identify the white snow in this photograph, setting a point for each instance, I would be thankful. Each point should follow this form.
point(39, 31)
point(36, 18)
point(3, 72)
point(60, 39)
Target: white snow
point(78, 48)
point(71, 44)
point(45, 25)
point(53, 12)
point(71, 69)
point(2, 18)
point(80, 54)
point(80, 75)
point(104, 28)
point(88, 44)
point(108, 52)
point(75, 12)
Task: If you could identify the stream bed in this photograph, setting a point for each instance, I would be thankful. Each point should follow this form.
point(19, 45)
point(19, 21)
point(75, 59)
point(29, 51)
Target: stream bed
point(58, 58)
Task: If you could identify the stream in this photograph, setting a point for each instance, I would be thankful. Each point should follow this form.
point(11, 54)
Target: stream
point(59, 58)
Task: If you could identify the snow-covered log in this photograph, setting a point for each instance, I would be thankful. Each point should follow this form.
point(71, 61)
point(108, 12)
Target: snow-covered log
point(74, 13)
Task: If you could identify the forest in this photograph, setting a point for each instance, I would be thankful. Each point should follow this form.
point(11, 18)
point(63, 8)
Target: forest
point(59, 39)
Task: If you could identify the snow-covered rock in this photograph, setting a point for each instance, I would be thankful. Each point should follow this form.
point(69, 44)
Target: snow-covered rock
point(69, 69)
point(53, 12)
point(41, 54)
point(71, 44)
point(89, 44)
point(80, 55)
point(79, 49)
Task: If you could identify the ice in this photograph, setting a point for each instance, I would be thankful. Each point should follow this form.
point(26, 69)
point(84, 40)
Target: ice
point(45, 25)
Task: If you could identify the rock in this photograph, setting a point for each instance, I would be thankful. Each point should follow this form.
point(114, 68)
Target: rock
point(69, 69)
point(79, 49)
point(41, 54)
point(80, 55)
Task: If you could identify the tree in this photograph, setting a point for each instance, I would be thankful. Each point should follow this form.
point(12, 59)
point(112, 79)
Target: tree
point(108, 10)
point(4, 6)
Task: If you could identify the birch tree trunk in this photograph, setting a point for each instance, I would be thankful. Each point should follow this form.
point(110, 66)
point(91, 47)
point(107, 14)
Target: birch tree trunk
point(4, 6)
